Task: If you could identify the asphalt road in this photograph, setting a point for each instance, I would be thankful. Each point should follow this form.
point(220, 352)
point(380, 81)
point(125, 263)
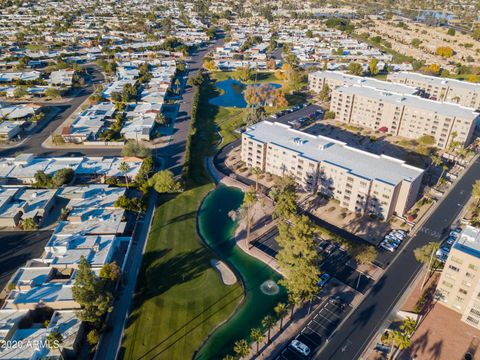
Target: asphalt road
point(351, 339)
point(17, 248)
point(174, 153)
point(33, 144)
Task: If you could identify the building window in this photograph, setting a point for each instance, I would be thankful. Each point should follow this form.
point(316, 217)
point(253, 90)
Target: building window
point(454, 268)
point(472, 320)
point(473, 267)
point(456, 260)
point(447, 284)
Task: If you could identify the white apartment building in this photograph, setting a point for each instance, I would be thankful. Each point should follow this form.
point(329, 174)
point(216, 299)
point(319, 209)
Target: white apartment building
point(318, 79)
point(443, 89)
point(361, 181)
point(459, 285)
point(404, 115)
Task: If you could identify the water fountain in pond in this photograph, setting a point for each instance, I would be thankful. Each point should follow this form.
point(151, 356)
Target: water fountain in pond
point(269, 287)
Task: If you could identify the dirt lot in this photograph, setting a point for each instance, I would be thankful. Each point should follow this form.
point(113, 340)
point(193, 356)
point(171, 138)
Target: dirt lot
point(431, 38)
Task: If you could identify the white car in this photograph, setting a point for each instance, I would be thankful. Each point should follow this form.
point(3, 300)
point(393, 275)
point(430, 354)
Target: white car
point(387, 246)
point(300, 347)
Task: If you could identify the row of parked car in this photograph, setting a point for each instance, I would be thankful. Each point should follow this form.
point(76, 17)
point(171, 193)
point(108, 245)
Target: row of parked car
point(442, 253)
point(393, 240)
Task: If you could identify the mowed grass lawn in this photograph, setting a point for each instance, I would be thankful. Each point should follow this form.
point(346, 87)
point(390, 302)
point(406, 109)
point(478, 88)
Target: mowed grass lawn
point(180, 297)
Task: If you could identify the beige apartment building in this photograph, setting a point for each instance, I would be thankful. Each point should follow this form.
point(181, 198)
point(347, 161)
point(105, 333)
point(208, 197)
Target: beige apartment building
point(459, 284)
point(404, 115)
point(443, 89)
point(318, 79)
point(363, 182)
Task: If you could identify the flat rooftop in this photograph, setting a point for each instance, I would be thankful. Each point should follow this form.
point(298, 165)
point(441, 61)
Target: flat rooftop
point(436, 81)
point(469, 241)
point(444, 108)
point(323, 149)
point(349, 80)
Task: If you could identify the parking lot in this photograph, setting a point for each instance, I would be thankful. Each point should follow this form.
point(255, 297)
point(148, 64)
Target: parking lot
point(295, 115)
point(318, 329)
point(333, 263)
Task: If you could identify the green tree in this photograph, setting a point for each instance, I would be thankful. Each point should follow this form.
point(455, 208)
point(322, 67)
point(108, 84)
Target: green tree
point(62, 176)
point(451, 32)
point(373, 67)
point(28, 224)
point(242, 74)
point(281, 310)
point(426, 140)
point(256, 171)
point(366, 255)
point(124, 168)
point(298, 258)
point(93, 337)
point(20, 92)
point(110, 271)
point(89, 292)
point(145, 170)
point(52, 93)
point(54, 339)
point(424, 253)
point(249, 201)
point(135, 149)
point(268, 322)
point(329, 115)
point(42, 179)
point(164, 182)
point(256, 335)
point(241, 348)
point(355, 69)
point(254, 115)
point(160, 119)
point(476, 192)
point(286, 199)
point(325, 93)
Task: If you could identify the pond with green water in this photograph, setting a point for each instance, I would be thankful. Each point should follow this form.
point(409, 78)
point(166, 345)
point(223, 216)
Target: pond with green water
point(261, 292)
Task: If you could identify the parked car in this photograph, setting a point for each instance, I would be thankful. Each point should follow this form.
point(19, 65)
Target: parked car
point(387, 246)
point(322, 245)
point(331, 248)
point(323, 279)
point(300, 347)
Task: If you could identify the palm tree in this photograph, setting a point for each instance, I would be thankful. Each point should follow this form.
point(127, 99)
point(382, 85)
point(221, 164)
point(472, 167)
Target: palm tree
point(293, 300)
point(241, 348)
point(268, 323)
point(124, 169)
point(256, 335)
point(256, 171)
point(248, 201)
point(399, 340)
point(281, 310)
point(228, 357)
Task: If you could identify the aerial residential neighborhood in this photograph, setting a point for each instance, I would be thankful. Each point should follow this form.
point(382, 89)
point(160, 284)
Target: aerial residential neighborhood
point(218, 180)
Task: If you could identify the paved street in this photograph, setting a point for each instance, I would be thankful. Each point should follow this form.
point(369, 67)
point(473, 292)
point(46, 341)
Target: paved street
point(174, 153)
point(33, 144)
point(352, 338)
